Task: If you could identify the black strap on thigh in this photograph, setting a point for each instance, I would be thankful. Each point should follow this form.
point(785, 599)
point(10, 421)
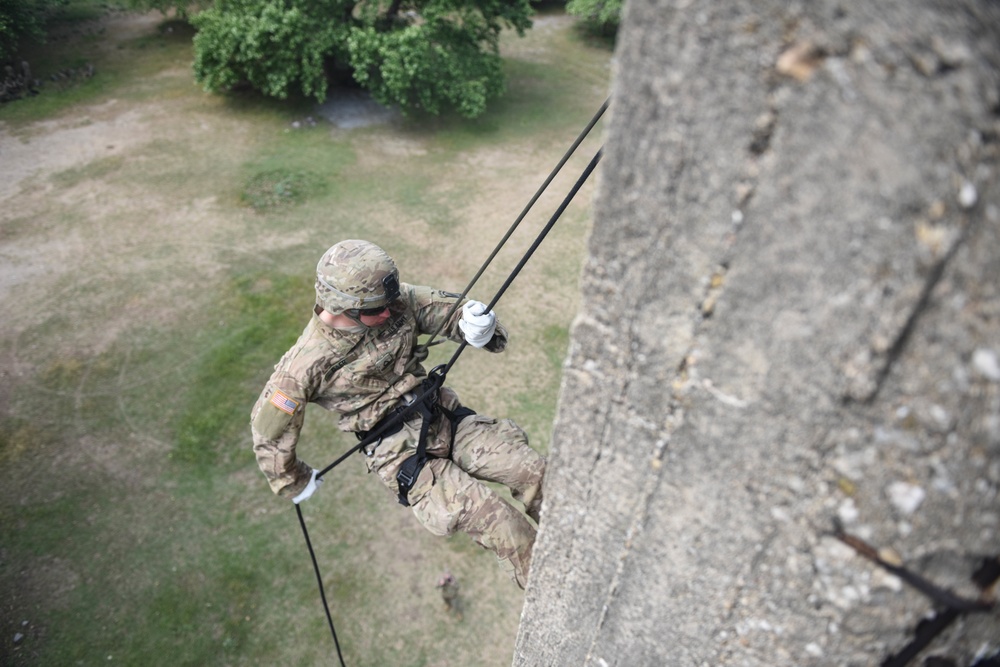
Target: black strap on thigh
point(455, 416)
point(429, 407)
point(407, 474)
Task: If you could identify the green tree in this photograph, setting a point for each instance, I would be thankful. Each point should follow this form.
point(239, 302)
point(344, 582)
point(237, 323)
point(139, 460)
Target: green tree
point(426, 55)
point(20, 19)
point(603, 16)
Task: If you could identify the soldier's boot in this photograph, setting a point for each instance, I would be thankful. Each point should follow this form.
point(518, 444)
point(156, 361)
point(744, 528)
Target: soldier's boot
point(497, 526)
point(528, 489)
point(447, 499)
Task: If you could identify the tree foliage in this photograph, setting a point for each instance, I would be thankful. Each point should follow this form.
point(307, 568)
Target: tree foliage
point(20, 19)
point(427, 55)
point(271, 45)
point(601, 15)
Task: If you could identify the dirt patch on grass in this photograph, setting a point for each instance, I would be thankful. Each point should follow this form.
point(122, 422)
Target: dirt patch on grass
point(51, 146)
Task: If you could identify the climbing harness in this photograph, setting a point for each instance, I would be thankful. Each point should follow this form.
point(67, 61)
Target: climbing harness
point(426, 401)
point(429, 408)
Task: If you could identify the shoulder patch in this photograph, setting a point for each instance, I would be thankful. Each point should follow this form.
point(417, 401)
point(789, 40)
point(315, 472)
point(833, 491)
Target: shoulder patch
point(274, 413)
point(281, 401)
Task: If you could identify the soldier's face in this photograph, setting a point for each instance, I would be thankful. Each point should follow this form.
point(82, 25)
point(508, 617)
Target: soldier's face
point(376, 320)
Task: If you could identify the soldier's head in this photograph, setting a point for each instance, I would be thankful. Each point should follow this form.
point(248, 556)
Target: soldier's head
point(357, 279)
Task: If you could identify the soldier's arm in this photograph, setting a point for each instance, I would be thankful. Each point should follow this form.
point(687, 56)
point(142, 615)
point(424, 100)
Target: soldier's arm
point(432, 307)
point(276, 421)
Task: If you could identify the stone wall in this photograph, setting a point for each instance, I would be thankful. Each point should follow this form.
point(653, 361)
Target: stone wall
point(791, 319)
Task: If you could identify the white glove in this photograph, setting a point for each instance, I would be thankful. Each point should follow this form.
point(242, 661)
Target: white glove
point(477, 325)
point(309, 490)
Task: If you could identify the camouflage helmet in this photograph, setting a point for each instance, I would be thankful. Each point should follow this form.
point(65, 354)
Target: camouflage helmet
point(355, 275)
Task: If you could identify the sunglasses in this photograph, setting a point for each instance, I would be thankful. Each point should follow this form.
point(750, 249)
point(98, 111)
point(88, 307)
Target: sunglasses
point(370, 312)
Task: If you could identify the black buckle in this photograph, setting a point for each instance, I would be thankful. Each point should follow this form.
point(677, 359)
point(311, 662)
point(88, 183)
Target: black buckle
point(406, 477)
point(391, 284)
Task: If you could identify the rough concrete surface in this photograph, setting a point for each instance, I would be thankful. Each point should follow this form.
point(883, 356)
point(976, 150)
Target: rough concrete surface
point(791, 318)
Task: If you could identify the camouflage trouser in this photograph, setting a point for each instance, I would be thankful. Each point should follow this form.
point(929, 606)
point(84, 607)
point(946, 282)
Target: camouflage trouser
point(448, 496)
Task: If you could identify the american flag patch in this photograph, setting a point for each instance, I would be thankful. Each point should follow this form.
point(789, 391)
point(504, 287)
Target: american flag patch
point(283, 403)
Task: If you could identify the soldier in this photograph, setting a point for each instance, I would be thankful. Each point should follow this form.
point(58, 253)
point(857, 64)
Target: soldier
point(449, 594)
point(358, 357)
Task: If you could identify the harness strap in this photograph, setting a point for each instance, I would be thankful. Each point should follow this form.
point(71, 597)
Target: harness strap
point(395, 428)
point(408, 472)
point(455, 416)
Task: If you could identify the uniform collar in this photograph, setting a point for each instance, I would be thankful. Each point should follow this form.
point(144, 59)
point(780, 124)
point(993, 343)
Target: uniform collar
point(338, 337)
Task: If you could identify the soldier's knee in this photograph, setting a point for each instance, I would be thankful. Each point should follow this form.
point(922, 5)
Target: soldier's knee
point(439, 506)
point(438, 520)
point(512, 432)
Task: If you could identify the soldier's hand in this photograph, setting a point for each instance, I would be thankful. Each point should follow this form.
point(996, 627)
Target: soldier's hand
point(310, 488)
point(476, 324)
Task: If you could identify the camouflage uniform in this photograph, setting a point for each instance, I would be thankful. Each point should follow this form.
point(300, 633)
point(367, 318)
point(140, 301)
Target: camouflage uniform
point(381, 370)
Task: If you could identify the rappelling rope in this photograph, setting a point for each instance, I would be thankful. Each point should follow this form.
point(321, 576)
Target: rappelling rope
point(482, 269)
point(534, 246)
point(319, 580)
point(438, 373)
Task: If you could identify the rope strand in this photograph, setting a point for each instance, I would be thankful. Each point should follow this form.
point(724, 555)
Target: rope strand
point(322, 589)
point(534, 246)
point(510, 231)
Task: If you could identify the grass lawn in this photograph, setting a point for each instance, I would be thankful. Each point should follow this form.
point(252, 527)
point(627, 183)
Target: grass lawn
point(156, 254)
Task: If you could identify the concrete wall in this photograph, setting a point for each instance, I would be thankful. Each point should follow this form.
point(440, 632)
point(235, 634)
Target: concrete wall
point(791, 315)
